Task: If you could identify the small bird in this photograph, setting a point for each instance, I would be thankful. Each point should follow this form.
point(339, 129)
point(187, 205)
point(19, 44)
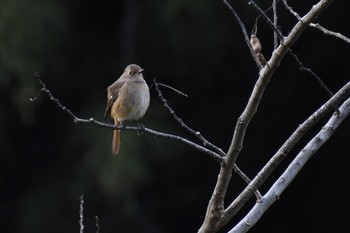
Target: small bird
point(257, 47)
point(255, 42)
point(127, 99)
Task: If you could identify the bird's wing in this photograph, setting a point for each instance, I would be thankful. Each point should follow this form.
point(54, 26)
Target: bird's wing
point(112, 95)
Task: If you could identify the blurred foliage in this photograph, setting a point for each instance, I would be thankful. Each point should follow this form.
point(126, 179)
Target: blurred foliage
point(154, 185)
point(29, 33)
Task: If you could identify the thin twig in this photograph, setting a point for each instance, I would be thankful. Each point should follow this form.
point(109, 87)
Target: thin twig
point(198, 135)
point(210, 153)
point(56, 101)
point(182, 123)
point(171, 88)
point(271, 7)
point(81, 214)
point(97, 223)
point(313, 74)
point(245, 34)
point(330, 33)
point(247, 180)
point(275, 20)
point(267, 19)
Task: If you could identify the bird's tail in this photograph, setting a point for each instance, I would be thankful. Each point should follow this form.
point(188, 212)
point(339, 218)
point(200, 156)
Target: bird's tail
point(116, 140)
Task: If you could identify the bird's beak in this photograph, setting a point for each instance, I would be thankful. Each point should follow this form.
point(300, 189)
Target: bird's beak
point(140, 71)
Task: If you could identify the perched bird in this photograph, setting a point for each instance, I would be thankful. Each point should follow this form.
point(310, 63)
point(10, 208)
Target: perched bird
point(257, 47)
point(255, 42)
point(127, 99)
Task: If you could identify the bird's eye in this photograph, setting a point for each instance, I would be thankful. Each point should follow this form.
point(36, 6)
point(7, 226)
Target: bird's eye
point(131, 73)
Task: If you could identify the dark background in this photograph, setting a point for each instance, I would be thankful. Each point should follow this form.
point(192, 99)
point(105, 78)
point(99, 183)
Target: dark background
point(156, 185)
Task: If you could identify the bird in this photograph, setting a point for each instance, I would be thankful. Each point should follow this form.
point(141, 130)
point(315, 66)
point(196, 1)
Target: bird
point(255, 42)
point(128, 99)
point(257, 47)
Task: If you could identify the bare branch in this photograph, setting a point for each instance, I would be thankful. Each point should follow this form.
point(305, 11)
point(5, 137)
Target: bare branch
point(210, 153)
point(186, 127)
point(316, 25)
point(301, 67)
point(97, 224)
point(171, 88)
point(293, 169)
point(198, 135)
point(216, 216)
point(56, 101)
point(245, 34)
point(313, 74)
point(291, 10)
point(267, 19)
point(81, 214)
point(329, 32)
point(275, 20)
point(278, 33)
point(246, 179)
point(291, 142)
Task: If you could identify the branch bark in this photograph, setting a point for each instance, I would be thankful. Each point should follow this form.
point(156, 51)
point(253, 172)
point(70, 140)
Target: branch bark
point(291, 142)
point(293, 169)
point(216, 216)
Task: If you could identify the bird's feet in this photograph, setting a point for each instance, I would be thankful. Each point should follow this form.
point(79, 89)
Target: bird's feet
point(141, 129)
